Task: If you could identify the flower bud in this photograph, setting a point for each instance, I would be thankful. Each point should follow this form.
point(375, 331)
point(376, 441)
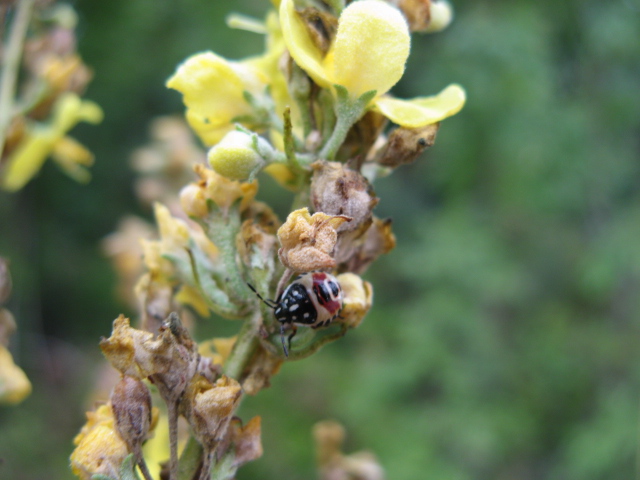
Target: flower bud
point(441, 16)
point(193, 201)
point(131, 405)
point(358, 297)
point(235, 156)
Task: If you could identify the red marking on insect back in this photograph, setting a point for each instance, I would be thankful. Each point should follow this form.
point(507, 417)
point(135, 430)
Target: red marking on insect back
point(319, 277)
point(323, 293)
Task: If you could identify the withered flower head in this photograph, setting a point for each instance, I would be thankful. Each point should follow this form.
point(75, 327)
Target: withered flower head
point(209, 407)
point(339, 190)
point(358, 298)
point(355, 252)
point(308, 240)
point(131, 406)
point(406, 144)
point(170, 359)
point(216, 188)
point(261, 368)
point(255, 245)
point(333, 464)
point(246, 440)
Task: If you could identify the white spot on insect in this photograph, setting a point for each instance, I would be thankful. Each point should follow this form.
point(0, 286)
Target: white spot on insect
point(306, 315)
point(293, 307)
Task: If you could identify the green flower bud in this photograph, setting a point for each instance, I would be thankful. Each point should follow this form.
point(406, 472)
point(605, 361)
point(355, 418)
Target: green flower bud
point(235, 157)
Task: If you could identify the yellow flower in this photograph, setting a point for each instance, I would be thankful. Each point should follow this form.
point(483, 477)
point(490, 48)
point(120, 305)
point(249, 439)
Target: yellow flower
point(99, 448)
point(50, 139)
point(422, 111)
point(14, 384)
point(368, 53)
point(213, 90)
point(358, 297)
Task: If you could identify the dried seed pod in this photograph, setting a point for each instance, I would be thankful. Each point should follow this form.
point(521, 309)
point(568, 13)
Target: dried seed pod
point(338, 190)
point(406, 144)
point(131, 405)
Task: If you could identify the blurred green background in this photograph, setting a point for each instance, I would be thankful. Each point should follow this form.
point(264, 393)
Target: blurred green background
point(504, 342)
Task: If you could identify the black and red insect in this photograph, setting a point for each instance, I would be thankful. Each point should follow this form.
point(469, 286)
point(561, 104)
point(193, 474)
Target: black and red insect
point(314, 299)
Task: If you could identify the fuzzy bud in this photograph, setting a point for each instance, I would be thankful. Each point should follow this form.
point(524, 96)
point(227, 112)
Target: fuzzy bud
point(441, 16)
point(194, 201)
point(235, 157)
point(131, 405)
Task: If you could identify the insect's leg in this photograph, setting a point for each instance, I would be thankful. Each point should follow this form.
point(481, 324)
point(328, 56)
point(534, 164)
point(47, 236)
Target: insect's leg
point(267, 302)
point(284, 345)
point(293, 334)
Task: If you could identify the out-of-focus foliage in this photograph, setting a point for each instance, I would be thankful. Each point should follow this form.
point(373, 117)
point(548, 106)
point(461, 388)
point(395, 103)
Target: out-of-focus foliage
point(503, 342)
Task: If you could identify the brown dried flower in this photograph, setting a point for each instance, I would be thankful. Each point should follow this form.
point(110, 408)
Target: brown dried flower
point(339, 190)
point(308, 240)
point(209, 407)
point(406, 144)
point(170, 359)
point(212, 186)
point(333, 464)
point(355, 251)
point(246, 440)
point(131, 405)
point(261, 368)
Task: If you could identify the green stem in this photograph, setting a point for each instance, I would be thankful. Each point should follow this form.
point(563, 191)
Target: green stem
point(348, 112)
point(12, 56)
point(222, 232)
point(190, 459)
point(244, 348)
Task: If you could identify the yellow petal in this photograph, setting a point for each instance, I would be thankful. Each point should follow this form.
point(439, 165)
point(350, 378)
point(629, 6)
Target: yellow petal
point(14, 384)
point(71, 109)
point(300, 45)
point(370, 49)
point(422, 111)
point(28, 158)
point(213, 92)
point(188, 295)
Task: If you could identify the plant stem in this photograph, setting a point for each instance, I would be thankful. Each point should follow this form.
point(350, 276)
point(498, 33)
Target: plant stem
point(172, 411)
point(13, 54)
point(207, 460)
point(244, 347)
point(348, 111)
point(222, 231)
point(190, 459)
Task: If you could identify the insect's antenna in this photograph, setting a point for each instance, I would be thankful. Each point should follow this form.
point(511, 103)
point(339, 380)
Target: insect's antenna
point(268, 303)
